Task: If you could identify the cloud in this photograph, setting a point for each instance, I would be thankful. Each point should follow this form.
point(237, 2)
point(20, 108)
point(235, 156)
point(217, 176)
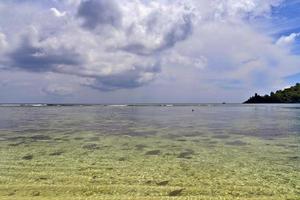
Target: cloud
point(4, 83)
point(136, 77)
point(61, 54)
point(69, 49)
point(72, 2)
point(3, 49)
point(170, 33)
point(3, 42)
point(129, 44)
point(174, 58)
point(58, 90)
point(57, 13)
point(38, 55)
point(234, 52)
point(287, 40)
point(99, 12)
point(244, 8)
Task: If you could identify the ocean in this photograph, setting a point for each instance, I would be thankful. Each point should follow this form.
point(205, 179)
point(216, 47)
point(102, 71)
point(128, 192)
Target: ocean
point(150, 151)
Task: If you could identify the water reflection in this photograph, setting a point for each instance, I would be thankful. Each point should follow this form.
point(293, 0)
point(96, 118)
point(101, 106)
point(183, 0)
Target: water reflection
point(252, 120)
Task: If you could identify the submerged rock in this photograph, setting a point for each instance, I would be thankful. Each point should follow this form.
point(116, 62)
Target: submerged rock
point(221, 136)
point(93, 139)
point(40, 137)
point(149, 182)
point(293, 146)
point(122, 159)
point(186, 154)
point(16, 144)
point(153, 153)
point(175, 192)
point(35, 193)
point(16, 138)
point(12, 193)
point(140, 147)
point(56, 153)
point(193, 134)
point(237, 143)
point(294, 157)
point(162, 183)
point(27, 157)
point(140, 133)
point(78, 138)
point(91, 146)
point(41, 179)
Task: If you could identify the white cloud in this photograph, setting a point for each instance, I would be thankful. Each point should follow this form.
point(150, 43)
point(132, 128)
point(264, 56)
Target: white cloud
point(72, 2)
point(3, 49)
point(3, 42)
point(58, 90)
point(287, 40)
point(57, 13)
point(175, 58)
point(245, 7)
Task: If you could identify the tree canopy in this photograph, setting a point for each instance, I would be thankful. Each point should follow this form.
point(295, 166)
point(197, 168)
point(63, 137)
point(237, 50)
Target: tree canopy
point(289, 95)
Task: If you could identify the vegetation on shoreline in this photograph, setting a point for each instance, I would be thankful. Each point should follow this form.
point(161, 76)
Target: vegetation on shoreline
point(289, 95)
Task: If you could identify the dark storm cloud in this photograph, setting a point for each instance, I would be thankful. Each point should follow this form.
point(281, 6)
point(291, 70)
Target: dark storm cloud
point(30, 57)
point(99, 12)
point(179, 32)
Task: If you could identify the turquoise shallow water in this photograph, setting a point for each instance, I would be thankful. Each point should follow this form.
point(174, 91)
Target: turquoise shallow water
point(207, 151)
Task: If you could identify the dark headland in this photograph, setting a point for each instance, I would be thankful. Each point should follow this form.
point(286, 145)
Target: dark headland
point(288, 95)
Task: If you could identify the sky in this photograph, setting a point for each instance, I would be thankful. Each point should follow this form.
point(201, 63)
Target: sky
point(147, 51)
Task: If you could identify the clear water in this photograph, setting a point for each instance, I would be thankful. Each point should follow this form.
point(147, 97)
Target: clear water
point(208, 151)
point(253, 120)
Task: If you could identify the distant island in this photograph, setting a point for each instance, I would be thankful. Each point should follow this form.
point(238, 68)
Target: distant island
point(289, 95)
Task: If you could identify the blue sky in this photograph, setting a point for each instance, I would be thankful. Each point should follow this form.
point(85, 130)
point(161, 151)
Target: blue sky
point(286, 18)
point(144, 51)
